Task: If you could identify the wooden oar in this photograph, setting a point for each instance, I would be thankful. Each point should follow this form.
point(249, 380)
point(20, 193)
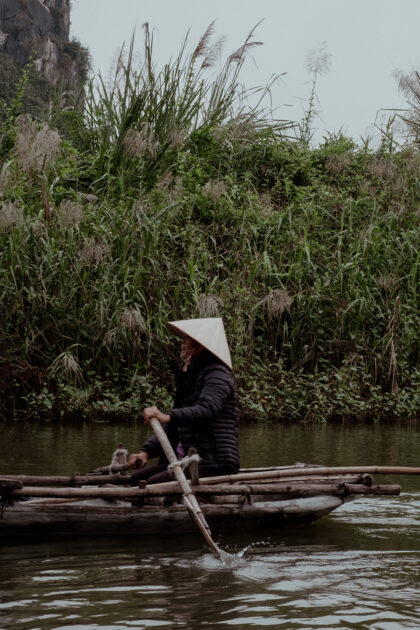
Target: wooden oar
point(188, 497)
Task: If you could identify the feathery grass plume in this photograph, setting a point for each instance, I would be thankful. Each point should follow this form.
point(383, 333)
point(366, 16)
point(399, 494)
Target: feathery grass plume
point(137, 143)
point(110, 338)
point(38, 227)
point(318, 63)
point(94, 251)
point(208, 305)
point(176, 137)
point(71, 213)
point(238, 55)
point(411, 162)
point(10, 214)
point(131, 319)
point(318, 60)
point(175, 190)
point(337, 164)
point(409, 85)
point(202, 47)
point(388, 282)
point(214, 53)
point(265, 203)
point(379, 168)
point(165, 182)
point(239, 131)
point(210, 52)
point(276, 302)
point(214, 189)
point(4, 176)
point(67, 366)
point(36, 145)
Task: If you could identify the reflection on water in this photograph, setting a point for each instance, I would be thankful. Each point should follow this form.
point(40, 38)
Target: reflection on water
point(357, 568)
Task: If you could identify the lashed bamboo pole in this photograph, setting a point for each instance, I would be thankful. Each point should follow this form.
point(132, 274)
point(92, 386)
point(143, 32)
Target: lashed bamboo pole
point(269, 474)
point(87, 480)
point(309, 472)
point(297, 489)
point(67, 480)
point(188, 497)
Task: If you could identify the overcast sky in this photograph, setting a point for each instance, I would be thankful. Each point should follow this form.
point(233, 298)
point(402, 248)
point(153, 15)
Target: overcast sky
point(368, 40)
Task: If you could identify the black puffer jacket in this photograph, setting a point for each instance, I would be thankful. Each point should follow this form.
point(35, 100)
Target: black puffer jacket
point(204, 414)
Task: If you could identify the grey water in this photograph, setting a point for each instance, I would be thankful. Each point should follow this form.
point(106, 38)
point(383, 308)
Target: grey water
point(356, 568)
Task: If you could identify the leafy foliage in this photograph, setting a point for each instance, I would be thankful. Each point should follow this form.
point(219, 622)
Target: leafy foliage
point(309, 255)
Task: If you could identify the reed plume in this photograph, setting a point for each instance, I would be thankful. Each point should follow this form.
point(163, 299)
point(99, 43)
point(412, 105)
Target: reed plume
point(276, 302)
point(209, 305)
point(36, 145)
point(10, 215)
point(70, 213)
point(131, 319)
point(66, 366)
point(94, 251)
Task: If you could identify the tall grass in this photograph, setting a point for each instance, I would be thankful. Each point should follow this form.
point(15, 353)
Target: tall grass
point(139, 119)
point(309, 255)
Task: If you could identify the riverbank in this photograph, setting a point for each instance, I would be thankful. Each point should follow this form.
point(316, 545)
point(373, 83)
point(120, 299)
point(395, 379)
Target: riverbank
point(115, 222)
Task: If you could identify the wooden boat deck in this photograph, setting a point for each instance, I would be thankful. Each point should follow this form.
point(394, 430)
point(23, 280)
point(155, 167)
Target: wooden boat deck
point(274, 497)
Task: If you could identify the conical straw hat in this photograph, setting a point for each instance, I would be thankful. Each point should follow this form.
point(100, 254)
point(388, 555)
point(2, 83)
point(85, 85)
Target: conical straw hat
point(209, 332)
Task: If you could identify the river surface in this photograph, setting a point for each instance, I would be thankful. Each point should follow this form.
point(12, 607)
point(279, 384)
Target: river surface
point(356, 568)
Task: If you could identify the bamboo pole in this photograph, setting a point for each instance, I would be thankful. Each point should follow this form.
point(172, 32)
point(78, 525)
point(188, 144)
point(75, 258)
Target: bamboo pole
point(318, 470)
point(263, 475)
point(188, 497)
point(296, 489)
point(67, 480)
point(75, 481)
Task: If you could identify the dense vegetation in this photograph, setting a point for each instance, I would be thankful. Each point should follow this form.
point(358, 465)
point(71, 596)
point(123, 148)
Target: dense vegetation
point(167, 199)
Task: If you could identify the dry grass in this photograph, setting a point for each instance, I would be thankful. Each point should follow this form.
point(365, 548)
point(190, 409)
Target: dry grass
point(3, 38)
point(387, 282)
point(238, 132)
point(166, 182)
point(67, 366)
point(210, 52)
point(131, 319)
point(110, 338)
point(383, 170)
point(209, 305)
point(176, 137)
point(36, 145)
point(4, 177)
point(337, 164)
point(94, 251)
point(214, 189)
point(137, 143)
point(71, 213)
point(276, 302)
point(10, 215)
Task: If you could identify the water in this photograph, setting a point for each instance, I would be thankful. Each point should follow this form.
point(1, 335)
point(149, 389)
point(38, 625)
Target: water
point(357, 568)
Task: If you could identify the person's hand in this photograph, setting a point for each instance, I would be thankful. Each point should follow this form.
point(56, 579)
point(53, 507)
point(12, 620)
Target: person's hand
point(154, 412)
point(138, 460)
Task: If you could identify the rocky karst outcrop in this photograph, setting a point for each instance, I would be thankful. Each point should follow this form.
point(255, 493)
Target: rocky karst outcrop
point(39, 30)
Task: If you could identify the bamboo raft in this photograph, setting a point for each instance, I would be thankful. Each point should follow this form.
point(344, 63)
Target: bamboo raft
point(103, 501)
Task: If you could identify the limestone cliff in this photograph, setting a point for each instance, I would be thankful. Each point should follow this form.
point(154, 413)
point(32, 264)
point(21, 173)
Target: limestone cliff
point(39, 30)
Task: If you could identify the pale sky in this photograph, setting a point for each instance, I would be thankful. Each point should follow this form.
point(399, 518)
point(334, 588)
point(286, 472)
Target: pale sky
point(368, 40)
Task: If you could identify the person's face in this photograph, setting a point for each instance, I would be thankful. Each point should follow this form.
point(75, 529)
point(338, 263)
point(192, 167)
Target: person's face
point(189, 348)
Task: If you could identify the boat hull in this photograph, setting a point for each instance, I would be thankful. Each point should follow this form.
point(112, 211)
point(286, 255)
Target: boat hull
point(31, 518)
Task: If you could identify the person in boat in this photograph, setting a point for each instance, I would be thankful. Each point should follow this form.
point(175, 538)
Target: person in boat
point(204, 415)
